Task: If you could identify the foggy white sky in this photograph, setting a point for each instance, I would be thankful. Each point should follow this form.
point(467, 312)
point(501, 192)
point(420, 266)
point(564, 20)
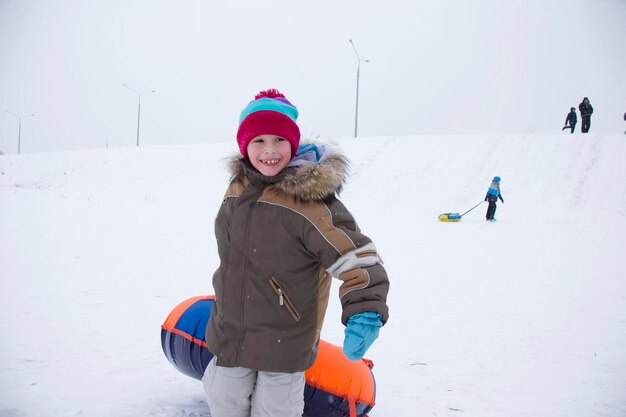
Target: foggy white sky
point(485, 66)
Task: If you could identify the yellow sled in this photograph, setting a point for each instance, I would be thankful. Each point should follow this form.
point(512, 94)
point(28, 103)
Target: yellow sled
point(449, 217)
point(455, 217)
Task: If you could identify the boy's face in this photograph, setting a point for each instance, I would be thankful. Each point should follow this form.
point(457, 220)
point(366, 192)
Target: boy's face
point(269, 154)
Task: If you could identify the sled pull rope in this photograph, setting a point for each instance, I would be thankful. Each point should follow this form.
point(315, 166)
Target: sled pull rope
point(472, 208)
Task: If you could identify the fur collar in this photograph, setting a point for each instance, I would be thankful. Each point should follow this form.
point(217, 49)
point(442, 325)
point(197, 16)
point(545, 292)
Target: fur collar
point(306, 182)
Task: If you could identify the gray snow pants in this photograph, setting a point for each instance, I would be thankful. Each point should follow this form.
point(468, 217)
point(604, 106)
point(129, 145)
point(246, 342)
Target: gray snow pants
point(242, 392)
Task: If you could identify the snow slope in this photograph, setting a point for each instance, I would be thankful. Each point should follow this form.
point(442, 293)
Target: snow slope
point(522, 317)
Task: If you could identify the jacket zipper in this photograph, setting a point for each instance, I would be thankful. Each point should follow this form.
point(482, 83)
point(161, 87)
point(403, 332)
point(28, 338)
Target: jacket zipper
point(284, 300)
point(245, 280)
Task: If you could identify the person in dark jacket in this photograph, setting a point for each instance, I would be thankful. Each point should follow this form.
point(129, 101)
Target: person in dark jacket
point(586, 110)
point(282, 235)
point(493, 193)
point(571, 120)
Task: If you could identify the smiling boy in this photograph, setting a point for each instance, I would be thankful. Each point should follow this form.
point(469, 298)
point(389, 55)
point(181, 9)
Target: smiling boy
point(282, 234)
point(269, 154)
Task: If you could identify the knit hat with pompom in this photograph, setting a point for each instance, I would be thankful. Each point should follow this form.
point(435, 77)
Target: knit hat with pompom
point(270, 113)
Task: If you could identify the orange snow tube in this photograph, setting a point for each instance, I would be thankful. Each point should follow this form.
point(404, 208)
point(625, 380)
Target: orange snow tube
point(340, 381)
point(335, 386)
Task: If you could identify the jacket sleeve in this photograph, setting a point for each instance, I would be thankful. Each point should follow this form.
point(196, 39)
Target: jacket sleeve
point(500, 197)
point(350, 256)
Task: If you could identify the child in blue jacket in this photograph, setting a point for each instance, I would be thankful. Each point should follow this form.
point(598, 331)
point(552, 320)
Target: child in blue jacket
point(493, 193)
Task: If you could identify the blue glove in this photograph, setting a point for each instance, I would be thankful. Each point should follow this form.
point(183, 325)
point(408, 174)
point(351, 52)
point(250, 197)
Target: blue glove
point(361, 331)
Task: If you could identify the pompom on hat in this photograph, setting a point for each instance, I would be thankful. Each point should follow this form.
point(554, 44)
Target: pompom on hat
point(270, 113)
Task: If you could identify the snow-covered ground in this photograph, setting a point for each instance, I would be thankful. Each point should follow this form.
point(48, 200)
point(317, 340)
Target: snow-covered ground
point(524, 317)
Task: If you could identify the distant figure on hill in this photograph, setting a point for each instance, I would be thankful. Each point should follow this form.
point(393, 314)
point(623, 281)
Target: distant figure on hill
point(625, 121)
point(571, 120)
point(493, 193)
point(585, 114)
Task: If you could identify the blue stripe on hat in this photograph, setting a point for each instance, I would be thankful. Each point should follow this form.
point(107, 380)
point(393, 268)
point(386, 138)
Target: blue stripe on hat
point(265, 103)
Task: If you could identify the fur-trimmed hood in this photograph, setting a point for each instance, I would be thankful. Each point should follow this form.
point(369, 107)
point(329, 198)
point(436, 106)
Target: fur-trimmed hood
point(303, 178)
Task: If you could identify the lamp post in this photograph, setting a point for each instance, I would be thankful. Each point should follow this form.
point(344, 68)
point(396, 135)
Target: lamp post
point(358, 72)
point(139, 94)
point(19, 130)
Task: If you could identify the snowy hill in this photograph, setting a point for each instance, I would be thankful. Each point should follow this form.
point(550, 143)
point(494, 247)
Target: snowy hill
point(522, 317)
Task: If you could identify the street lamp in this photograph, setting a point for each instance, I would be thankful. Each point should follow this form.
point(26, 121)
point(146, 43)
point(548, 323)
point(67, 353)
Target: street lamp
point(139, 94)
point(19, 131)
point(358, 71)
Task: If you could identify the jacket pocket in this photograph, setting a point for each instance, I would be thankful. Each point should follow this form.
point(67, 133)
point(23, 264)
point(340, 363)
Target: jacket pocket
point(284, 300)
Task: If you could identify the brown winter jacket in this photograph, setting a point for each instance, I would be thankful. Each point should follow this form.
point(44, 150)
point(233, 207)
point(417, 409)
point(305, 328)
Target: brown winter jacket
point(280, 239)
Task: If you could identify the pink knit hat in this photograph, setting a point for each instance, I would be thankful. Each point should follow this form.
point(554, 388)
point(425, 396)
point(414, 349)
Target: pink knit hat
point(270, 113)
